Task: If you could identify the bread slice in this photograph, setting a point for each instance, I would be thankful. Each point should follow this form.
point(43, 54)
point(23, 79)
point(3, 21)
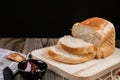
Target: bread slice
point(94, 30)
point(15, 57)
point(75, 45)
point(58, 54)
point(98, 31)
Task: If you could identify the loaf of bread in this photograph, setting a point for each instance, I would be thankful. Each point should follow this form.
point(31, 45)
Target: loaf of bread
point(75, 45)
point(91, 38)
point(55, 53)
point(98, 31)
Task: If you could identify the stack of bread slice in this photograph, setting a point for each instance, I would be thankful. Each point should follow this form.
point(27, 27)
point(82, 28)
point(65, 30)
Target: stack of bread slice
point(91, 38)
point(71, 50)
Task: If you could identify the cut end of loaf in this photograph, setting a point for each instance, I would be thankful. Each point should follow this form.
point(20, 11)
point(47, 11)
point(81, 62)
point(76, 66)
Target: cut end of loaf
point(86, 33)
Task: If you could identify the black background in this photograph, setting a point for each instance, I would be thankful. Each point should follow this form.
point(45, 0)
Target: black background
point(53, 18)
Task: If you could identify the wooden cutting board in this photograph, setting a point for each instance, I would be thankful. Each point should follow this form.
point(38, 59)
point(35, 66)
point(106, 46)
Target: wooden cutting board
point(90, 70)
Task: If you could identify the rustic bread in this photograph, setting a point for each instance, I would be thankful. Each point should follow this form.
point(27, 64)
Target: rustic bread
point(75, 45)
point(91, 38)
point(60, 55)
point(98, 31)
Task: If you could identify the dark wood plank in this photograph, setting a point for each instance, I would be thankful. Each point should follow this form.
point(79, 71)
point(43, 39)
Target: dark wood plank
point(31, 44)
point(15, 44)
point(37, 43)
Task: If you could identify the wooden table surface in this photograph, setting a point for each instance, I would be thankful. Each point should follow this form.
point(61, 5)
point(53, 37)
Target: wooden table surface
point(26, 45)
point(36, 43)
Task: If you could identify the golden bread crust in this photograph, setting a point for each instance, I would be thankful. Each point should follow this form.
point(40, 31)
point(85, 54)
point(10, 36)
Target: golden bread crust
point(107, 48)
point(95, 22)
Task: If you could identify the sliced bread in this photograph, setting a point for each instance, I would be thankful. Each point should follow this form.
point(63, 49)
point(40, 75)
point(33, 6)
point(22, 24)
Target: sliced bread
point(60, 55)
point(75, 45)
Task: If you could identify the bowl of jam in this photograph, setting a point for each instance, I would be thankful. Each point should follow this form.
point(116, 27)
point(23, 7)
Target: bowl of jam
point(32, 69)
